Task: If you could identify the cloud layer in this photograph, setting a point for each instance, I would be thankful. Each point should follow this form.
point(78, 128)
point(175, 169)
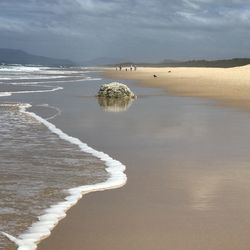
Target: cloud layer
point(132, 29)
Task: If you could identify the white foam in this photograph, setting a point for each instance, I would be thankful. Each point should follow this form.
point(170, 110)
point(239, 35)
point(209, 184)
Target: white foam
point(50, 82)
point(34, 77)
point(37, 91)
point(20, 68)
point(60, 71)
point(58, 111)
point(60, 81)
point(42, 228)
point(4, 94)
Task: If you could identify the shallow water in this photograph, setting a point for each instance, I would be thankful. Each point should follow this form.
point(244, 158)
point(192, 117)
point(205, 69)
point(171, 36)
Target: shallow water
point(37, 167)
point(36, 170)
point(188, 166)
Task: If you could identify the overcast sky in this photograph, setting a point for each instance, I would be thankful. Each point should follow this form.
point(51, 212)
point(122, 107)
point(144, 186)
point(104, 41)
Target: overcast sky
point(142, 30)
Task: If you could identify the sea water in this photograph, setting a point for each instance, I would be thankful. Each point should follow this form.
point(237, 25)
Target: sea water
point(43, 171)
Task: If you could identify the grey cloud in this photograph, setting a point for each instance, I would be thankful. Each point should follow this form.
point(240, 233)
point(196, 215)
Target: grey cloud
point(136, 29)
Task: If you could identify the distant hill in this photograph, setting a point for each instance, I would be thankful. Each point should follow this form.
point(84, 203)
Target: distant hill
point(13, 56)
point(227, 63)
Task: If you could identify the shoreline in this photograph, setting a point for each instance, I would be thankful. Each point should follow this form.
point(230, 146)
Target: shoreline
point(42, 228)
point(187, 178)
point(228, 86)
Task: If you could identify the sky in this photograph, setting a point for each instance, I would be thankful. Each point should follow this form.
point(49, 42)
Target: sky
point(139, 30)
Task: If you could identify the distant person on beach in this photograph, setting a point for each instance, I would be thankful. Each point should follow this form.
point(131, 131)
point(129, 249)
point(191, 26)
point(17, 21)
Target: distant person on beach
point(131, 67)
point(120, 67)
point(134, 67)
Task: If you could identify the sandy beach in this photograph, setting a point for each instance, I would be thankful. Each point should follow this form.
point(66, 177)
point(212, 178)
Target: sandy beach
point(125, 125)
point(187, 166)
point(230, 85)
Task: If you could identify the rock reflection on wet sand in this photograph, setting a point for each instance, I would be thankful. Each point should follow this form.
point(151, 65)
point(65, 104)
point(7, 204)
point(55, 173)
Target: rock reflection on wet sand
point(115, 104)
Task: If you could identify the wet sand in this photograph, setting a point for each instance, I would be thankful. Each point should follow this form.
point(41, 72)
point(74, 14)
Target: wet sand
point(188, 176)
point(229, 85)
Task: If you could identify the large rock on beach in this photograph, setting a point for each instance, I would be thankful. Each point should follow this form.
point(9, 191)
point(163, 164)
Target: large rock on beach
point(115, 90)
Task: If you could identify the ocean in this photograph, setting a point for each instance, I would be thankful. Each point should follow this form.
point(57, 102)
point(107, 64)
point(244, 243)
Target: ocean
point(44, 171)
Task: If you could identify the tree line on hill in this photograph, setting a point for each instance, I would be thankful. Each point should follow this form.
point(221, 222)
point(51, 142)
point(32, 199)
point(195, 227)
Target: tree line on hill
point(226, 63)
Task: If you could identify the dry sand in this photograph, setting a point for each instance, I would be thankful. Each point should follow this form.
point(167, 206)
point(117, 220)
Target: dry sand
point(230, 85)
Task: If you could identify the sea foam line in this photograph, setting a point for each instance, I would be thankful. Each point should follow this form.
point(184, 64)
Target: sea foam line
point(21, 68)
point(33, 77)
point(58, 111)
point(3, 94)
point(50, 82)
point(43, 227)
